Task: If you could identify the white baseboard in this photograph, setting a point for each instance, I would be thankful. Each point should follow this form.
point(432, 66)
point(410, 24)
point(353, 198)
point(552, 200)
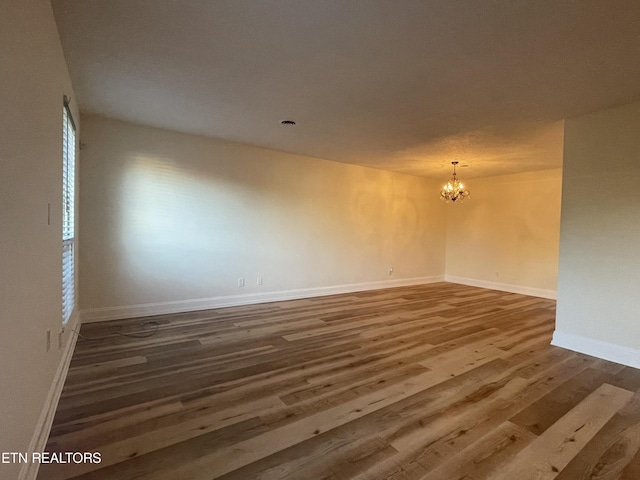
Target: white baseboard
point(29, 471)
point(503, 287)
point(597, 348)
point(161, 308)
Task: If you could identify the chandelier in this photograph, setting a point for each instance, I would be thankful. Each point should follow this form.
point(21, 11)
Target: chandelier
point(454, 190)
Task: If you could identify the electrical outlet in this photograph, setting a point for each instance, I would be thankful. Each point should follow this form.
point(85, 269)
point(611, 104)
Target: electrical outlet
point(241, 282)
point(390, 270)
point(48, 340)
point(259, 279)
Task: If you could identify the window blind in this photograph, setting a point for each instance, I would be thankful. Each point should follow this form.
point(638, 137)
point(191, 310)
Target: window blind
point(68, 213)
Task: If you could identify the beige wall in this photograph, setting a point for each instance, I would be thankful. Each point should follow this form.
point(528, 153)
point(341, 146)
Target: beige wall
point(169, 217)
point(506, 235)
point(598, 302)
point(33, 80)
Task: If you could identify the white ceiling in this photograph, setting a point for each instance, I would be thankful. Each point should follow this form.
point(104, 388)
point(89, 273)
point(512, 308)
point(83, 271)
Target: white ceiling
point(400, 85)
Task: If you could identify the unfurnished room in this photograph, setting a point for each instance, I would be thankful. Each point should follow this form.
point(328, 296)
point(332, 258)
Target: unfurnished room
point(320, 240)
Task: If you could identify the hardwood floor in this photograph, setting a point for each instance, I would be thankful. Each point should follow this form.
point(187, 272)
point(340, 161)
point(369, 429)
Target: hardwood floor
point(439, 382)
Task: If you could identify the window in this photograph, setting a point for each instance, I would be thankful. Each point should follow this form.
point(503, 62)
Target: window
point(68, 212)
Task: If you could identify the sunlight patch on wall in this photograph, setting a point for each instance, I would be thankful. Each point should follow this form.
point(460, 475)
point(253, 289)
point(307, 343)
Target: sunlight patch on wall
point(163, 218)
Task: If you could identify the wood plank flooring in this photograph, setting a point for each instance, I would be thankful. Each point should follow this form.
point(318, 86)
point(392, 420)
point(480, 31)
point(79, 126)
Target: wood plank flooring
point(432, 382)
